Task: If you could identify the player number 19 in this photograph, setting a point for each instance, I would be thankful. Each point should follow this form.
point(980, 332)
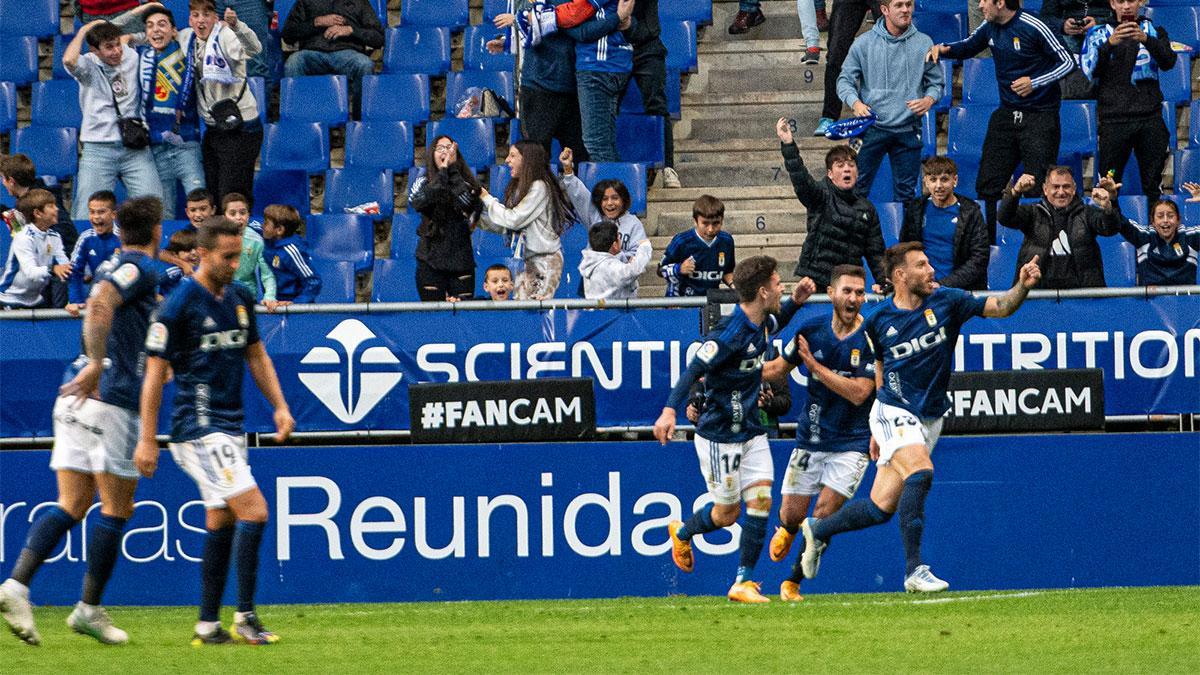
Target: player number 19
point(226, 456)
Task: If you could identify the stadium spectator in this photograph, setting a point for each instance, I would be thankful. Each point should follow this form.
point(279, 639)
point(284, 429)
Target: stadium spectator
point(447, 197)
point(36, 264)
point(843, 227)
point(1166, 253)
point(702, 258)
point(750, 15)
point(259, 15)
point(168, 84)
point(535, 206)
point(200, 207)
point(603, 62)
point(182, 246)
point(287, 254)
point(951, 227)
point(886, 74)
point(844, 21)
point(606, 275)
point(1123, 59)
point(609, 200)
point(230, 145)
point(18, 175)
point(650, 73)
point(95, 245)
point(498, 282)
point(1025, 128)
point(1072, 19)
point(253, 272)
point(109, 91)
point(335, 37)
point(1061, 229)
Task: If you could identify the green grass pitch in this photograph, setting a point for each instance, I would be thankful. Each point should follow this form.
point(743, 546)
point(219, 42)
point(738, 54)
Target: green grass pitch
point(1089, 630)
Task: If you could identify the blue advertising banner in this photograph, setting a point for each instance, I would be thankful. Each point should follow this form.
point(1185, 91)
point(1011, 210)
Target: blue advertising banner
point(571, 520)
point(350, 371)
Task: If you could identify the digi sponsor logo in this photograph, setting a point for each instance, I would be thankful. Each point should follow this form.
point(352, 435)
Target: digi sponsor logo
point(352, 381)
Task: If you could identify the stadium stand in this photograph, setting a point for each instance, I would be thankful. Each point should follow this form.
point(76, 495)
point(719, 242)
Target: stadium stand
point(404, 235)
point(979, 83)
point(18, 58)
point(457, 85)
point(394, 280)
point(475, 53)
point(476, 138)
point(499, 176)
point(258, 87)
point(353, 186)
point(417, 49)
point(1077, 120)
point(396, 96)
point(281, 187)
point(52, 149)
point(8, 106)
point(55, 103)
point(942, 27)
point(1120, 262)
point(445, 13)
point(891, 217)
point(302, 146)
point(1187, 168)
point(635, 139)
point(342, 236)
point(414, 173)
point(632, 101)
point(679, 37)
point(337, 280)
point(699, 12)
point(38, 18)
point(1176, 83)
point(1182, 22)
point(631, 174)
point(379, 144)
point(315, 98)
point(1002, 266)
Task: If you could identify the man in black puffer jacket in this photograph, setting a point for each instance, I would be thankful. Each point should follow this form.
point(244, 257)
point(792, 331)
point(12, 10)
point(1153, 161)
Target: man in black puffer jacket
point(1062, 229)
point(950, 226)
point(843, 228)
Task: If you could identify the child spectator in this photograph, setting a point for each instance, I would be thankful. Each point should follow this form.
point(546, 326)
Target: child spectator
point(498, 282)
point(183, 246)
point(36, 261)
point(18, 175)
point(535, 206)
point(701, 258)
point(287, 254)
point(605, 275)
point(1166, 253)
point(94, 246)
point(200, 207)
point(952, 228)
point(609, 200)
point(447, 197)
point(252, 270)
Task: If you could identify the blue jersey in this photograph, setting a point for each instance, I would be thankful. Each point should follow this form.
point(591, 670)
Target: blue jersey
point(171, 277)
point(295, 279)
point(91, 251)
point(714, 259)
point(830, 423)
point(205, 339)
point(917, 347)
point(1161, 262)
point(730, 361)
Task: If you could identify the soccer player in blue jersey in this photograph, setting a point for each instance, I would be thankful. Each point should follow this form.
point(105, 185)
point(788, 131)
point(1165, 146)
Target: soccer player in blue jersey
point(95, 430)
point(701, 258)
point(205, 331)
point(833, 437)
point(913, 335)
point(731, 442)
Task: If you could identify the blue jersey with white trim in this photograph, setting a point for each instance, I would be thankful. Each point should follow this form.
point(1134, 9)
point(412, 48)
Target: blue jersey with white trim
point(829, 422)
point(917, 348)
point(205, 339)
point(714, 259)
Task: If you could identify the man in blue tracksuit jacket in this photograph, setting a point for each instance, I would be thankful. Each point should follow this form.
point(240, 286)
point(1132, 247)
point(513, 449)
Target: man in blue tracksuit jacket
point(1029, 60)
point(603, 62)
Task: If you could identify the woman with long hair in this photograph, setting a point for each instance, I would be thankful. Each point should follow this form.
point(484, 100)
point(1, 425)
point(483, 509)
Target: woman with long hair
point(535, 206)
point(447, 197)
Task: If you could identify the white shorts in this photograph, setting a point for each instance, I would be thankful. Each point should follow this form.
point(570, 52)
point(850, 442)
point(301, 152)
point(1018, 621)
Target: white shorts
point(894, 428)
point(218, 464)
point(808, 472)
point(727, 467)
point(96, 437)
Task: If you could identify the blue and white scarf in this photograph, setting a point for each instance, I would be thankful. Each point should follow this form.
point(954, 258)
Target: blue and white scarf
point(165, 111)
point(1144, 68)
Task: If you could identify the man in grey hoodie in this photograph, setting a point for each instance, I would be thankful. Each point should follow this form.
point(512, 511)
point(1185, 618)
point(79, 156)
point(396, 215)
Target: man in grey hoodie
point(886, 74)
point(605, 275)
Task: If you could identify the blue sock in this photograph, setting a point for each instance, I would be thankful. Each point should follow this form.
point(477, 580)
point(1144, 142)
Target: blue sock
point(857, 515)
point(44, 535)
point(104, 544)
point(912, 516)
point(754, 533)
point(214, 569)
point(701, 522)
point(245, 543)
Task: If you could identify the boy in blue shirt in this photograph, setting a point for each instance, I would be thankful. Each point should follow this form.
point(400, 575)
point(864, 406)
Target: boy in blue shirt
point(702, 258)
point(287, 254)
point(183, 247)
point(94, 246)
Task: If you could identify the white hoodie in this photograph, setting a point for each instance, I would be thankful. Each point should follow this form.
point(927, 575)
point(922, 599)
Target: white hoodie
point(31, 258)
point(531, 217)
point(605, 277)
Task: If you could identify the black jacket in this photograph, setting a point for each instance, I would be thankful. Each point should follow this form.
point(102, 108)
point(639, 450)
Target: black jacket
point(843, 228)
point(643, 32)
point(448, 206)
point(971, 247)
point(1055, 12)
point(298, 29)
point(1082, 266)
point(1117, 98)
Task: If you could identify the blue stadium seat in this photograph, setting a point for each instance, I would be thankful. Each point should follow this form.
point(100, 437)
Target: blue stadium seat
point(574, 240)
point(632, 100)
point(404, 235)
point(169, 227)
point(337, 279)
point(639, 139)
point(494, 8)
point(698, 12)
point(943, 104)
point(1176, 83)
point(1007, 236)
point(490, 244)
point(891, 217)
point(417, 49)
point(881, 187)
point(928, 135)
point(56, 104)
point(350, 187)
point(302, 146)
point(342, 236)
point(1120, 262)
point(59, 44)
point(315, 98)
point(1171, 119)
point(458, 83)
point(979, 83)
point(414, 173)
point(514, 135)
point(395, 280)
point(499, 176)
point(968, 171)
point(281, 187)
point(53, 149)
point(1077, 120)
point(379, 144)
point(8, 107)
point(1135, 207)
point(179, 10)
point(5, 244)
point(1002, 267)
point(941, 26)
point(475, 53)
point(679, 37)
point(631, 174)
point(18, 58)
point(282, 7)
point(1187, 168)
point(476, 138)
point(258, 88)
point(1193, 126)
point(1182, 23)
point(38, 18)
point(396, 96)
point(450, 13)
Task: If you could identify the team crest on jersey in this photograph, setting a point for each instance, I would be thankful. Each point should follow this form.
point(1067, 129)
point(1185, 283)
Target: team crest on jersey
point(721, 259)
point(228, 475)
point(930, 318)
point(156, 337)
point(125, 275)
point(1178, 249)
point(855, 357)
point(242, 317)
point(707, 351)
point(275, 262)
point(1016, 43)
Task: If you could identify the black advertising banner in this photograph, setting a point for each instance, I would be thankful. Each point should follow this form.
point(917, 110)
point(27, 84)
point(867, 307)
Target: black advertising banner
point(1015, 401)
point(552, 409)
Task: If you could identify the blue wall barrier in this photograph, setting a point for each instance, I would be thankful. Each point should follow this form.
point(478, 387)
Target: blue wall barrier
point(589, 520)
point(350, 371)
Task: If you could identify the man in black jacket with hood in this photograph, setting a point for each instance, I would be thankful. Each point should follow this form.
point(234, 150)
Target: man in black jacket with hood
point(950, 226)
